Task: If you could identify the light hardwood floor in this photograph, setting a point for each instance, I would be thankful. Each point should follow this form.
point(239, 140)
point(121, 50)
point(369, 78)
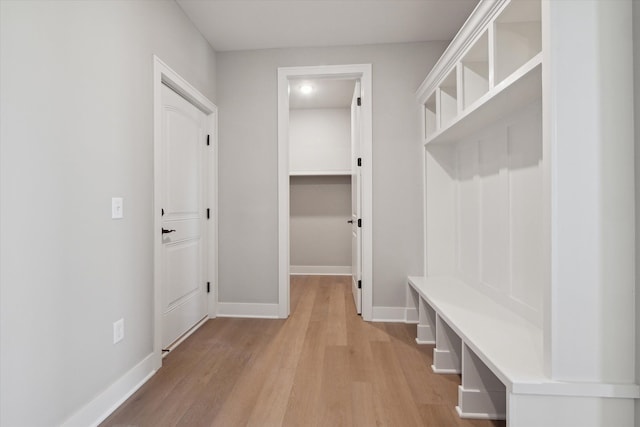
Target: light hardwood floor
point(323, 366)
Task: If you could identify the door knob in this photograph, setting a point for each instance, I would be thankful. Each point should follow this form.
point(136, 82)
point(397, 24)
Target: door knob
point(165, 231)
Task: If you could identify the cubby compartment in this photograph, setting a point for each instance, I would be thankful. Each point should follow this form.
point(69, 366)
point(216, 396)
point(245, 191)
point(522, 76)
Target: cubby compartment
point(448, 99)
point(475, 71)
point(517, 37)
point(430, 122)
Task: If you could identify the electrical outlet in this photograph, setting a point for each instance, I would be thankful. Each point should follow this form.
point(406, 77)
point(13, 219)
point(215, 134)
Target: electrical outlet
point(118, 331)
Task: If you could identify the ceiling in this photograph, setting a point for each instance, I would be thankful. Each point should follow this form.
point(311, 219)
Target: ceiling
point(262, 24)
point(327, 93)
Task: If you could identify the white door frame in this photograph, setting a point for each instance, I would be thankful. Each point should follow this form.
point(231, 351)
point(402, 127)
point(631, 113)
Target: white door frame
point(163, 75)
point(363, 73)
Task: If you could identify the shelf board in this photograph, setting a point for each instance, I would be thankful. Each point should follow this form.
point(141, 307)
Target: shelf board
point(321, 173)
point(517, 90)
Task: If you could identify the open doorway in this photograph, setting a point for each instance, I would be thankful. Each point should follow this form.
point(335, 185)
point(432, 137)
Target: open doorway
point(324, 145)
point(323, 142)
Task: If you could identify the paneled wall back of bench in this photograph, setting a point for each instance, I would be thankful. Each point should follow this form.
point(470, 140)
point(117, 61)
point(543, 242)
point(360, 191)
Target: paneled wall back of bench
point(485, 212)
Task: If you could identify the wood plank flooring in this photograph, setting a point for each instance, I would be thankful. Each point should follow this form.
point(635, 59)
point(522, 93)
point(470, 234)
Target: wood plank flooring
point(323, 366)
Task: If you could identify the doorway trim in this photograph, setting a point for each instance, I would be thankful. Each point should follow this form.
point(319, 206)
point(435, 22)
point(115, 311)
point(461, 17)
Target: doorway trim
point(164, 75)
point(355, 71)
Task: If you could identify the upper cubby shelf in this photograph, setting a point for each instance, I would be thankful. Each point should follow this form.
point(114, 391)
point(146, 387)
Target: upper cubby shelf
point(430, 116)
point(517, 37)
point(491, 67)
point(475, 71)
point(448, 91)
point(519, 89)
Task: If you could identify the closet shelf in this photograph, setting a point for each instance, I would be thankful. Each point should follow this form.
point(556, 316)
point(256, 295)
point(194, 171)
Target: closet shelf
point(519, 89)
point(321, 173)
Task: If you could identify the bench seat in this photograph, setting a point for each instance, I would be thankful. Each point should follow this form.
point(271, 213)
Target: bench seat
point(507, 343)
point(499, 353)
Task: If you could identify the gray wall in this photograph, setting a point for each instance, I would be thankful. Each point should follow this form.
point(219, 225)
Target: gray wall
point(320, 139)
point(320, 207)
point(247, 101)
point(636, 83)
point(77, 129)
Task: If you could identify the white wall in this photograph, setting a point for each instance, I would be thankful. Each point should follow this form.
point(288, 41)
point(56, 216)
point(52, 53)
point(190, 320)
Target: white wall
point(320, 139)
point(636, 82)
point(77, 129)
point(319, 233)
point(247, 99)
point(485, 209)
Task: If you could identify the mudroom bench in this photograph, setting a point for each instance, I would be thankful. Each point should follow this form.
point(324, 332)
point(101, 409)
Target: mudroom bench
point(497, 352)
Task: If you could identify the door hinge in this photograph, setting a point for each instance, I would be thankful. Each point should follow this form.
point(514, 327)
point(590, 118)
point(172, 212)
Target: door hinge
point(360, 222)
point(208, 287)
point(208, 140)
point(359, 101)
point(359, 161)
point(359, 284)
point(208, 213)
point(162, 212)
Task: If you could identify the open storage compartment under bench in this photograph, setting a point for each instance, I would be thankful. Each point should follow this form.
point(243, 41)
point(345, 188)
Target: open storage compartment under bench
point(499, 355)
point(489, 345)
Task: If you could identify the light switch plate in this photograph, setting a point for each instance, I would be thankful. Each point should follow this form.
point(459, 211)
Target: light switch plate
point(116, 208)
point(118, 331)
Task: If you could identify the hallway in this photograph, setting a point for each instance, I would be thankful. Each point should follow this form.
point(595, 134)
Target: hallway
point(323, 366)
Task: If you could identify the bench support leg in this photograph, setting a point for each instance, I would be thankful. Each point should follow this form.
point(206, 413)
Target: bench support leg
point(482, 394)
point(411, 312)
point(426, 333)
point(446, 355)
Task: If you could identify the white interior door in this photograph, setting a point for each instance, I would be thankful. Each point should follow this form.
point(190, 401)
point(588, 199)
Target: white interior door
point(356, 200)
point(183, 172)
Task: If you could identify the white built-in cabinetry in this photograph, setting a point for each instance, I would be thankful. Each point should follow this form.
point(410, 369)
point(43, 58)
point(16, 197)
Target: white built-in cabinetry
point(529, 274)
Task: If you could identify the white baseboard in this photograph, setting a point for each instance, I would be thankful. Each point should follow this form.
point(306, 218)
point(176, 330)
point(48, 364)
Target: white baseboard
point(96, 411)
point(389, 314)
point(320, 270)
point(411, 315)
point(236, 309)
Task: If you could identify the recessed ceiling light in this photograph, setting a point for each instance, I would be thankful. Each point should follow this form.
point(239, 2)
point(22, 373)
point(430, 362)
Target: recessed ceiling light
point(306, 89)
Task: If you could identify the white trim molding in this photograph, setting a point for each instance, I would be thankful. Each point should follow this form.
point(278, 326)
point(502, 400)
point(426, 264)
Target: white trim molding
point(389, 314)
point(248, 310)
point(100, 407)
point(472, 29)
point(362, 72)
point(411, 315)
